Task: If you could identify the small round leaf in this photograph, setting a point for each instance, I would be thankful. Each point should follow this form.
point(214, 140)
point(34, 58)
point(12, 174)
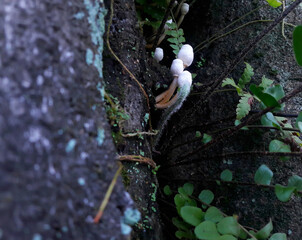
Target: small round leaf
point(263, 175)
point(226, 175)
point(192, 215)
point(284, 193)
point(207, 230)
point(206, 196)
point(229, 225)
point(213, 214)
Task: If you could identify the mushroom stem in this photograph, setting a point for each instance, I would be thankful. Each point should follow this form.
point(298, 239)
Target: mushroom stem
point(166, 95)
point(163, 104)
point(178, 9)
point(162, 37)
point(180, 98)
point(181, 18)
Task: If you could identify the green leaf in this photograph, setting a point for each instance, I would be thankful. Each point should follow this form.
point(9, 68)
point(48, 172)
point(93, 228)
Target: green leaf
point(230, 81)
point(192, 215)
point(299, 119)
point(229, 225)
point(179, 202)
point(206, 230)
point(274, 3)
point(278, 146)
point(197, 134)
point(172, 33)
point(284, 193)
point(265, 232)
point(172, 25)
point(206, 138)
point(297, 43)
point(167, 190)
point(295, 181)
point(267, 99)
point(181, 39)
point(180, 32)
point(213, 214)
point(246, 76)
point(172, 40)
point(176, 47)
point(278, 236)
point(180, 224)
point(265, 82)
point(206, 196)
point(276, 91)
point(183, 193)
point(187, 235)
point(270, 117)
point(189, 188)
point(226, 175)
point(263, 175)
point(243, 107)
point(227, 237)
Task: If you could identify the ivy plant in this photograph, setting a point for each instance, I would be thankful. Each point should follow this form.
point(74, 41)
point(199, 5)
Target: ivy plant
point(200, 220)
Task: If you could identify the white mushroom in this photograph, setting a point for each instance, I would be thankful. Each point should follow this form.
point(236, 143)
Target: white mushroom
point(158, 54)
point(176, 68)
point(184, 84)
point(184, 79)
point(184, 10)
point(186, 54)
point(166, 27)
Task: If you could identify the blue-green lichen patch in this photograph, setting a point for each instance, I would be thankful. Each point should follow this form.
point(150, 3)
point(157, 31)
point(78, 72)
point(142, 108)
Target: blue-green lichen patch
point(100, 137)
point(89, 56)
point(70, 145)
point(96, 15)
point(130, 218)
point(79, 15)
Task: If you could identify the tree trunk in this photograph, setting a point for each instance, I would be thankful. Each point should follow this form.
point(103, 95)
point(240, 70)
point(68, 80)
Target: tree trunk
point(56, 153)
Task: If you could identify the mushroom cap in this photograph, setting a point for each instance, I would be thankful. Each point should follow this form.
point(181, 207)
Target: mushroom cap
point(186, 54)
point(159, 54)
point(185, 78)
point(184, 8)
point(177, 67)
point(166, 27)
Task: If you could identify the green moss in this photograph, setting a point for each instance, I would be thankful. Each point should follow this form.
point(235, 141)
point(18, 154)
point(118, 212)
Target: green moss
point(125, 177)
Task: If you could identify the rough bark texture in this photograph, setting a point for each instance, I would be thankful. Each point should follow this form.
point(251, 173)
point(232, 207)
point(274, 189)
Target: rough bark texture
point(57, 158)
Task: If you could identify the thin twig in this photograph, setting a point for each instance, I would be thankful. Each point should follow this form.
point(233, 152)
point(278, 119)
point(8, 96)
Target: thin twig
point(120, 62)
point(231, 24)
point(230, 32)
point(138, 158)
point(139, 134)
point(250, 46)
point(230, 132)
point(163, 22)
point(234, 154)
point(107, 195)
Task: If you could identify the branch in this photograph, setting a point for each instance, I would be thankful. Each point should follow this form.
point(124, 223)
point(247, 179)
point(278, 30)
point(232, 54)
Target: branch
point(249, 47)
point(230, 132)
point(163, 22)
point(235, 154)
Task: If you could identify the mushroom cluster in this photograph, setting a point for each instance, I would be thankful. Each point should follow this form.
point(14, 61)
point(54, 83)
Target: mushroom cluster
point(184, 59)
point(182, 80)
